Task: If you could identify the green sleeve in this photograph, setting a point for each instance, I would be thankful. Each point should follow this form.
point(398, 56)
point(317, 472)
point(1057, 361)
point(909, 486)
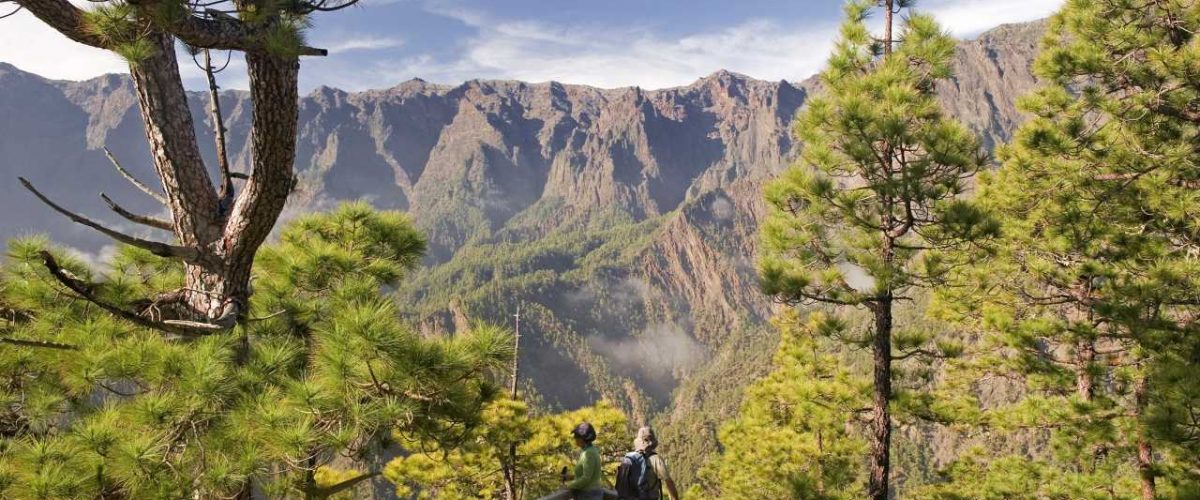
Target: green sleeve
point(587, 470)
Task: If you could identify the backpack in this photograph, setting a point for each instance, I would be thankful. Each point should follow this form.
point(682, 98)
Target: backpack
point(636, 479)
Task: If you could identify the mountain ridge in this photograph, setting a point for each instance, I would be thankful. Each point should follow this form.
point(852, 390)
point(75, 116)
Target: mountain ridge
point(622, 221)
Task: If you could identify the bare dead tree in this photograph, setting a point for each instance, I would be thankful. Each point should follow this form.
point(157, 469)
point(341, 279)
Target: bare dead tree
point(217, 229)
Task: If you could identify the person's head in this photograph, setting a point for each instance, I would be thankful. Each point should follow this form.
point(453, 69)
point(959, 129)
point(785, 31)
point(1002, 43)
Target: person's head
point(584, 434)
point(645, 441)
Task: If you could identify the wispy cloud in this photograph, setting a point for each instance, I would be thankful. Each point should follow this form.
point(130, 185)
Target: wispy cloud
point(490, 45)
point(966, 18)
point(342, 45)
point(616, 56)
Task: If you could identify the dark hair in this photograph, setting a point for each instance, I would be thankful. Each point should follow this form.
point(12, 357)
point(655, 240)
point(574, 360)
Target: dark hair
point(585, 431)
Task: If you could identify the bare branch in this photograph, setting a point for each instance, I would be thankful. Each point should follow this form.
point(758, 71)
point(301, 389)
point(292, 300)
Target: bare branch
point(156, 248)
point(86, 291)
point(333, 489)
point(38, 343)
point(324, 6)
point(916, 352)
point(133, 180)
point(13, 315)
point(13, 13)
point(275, 314)
point(195, 325)
point(226, 192)
point(145, 220)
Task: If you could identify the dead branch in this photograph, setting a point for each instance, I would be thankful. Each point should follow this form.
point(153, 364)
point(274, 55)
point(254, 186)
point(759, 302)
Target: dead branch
point(86, 291)
point(145, 220)
point(13, 315)
point(39, 344)
point(333, 489)
point(133, 180)
point(154, 247)
point(226, 193)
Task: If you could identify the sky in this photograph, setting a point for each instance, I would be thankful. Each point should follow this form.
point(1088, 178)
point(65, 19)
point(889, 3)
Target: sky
point(604, 43)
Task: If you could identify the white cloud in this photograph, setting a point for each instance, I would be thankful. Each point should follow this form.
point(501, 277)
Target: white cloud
point(342, 45)
point(27, 43)
point(611, 56)
point(966, 18)
point(533, 50)
point(661, 351)
point(607, 56)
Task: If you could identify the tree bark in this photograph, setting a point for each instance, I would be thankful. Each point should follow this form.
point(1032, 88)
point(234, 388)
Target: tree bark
point(888, 15)
point(1084, 384)
point(210, 295)
point(1145, 458)
point(881, 420)
point(218, 234)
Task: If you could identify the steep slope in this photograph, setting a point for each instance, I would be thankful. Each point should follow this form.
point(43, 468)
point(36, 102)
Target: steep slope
point(622, 221)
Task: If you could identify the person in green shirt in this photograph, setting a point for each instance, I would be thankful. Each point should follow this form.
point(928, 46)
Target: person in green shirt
point(587, 482)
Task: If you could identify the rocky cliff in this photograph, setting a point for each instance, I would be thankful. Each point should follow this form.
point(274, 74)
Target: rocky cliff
point(623, 221)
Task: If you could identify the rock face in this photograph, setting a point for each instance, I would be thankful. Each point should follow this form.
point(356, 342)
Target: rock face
point(624, 220)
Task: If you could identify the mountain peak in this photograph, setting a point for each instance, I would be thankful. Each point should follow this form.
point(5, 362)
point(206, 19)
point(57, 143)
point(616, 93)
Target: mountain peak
point(724, 77)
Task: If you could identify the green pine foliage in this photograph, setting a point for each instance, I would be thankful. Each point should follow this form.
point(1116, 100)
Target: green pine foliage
point(322, 375)
point(474, 469)
point(1090, 300)
point(870, 214)
point(881, 168)
point(798, 434)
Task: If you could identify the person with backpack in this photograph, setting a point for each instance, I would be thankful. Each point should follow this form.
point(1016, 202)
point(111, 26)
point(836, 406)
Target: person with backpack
point(643, 473)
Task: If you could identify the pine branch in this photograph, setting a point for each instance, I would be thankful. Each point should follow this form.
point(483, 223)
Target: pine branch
point(13, 315)
point(133, 180)
point(333, 489)
point(145, 220)
point(226, 192)
point(216, 32)
point(154, 247)
point(86, 291)
point(918, 352)
point(44, 344)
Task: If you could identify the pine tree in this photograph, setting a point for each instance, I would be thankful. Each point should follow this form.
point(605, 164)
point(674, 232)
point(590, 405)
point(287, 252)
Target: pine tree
point(215, 229)
point(317, 380)
point(1092, 296)
point(796, 434)
point(473, 469)
point(878, 194)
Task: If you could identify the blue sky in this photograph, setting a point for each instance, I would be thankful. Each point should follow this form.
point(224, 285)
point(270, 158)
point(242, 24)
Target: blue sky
point(606, 43)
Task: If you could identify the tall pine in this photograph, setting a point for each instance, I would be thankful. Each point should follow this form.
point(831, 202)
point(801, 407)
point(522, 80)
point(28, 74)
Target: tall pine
point(1093, 296)
point(862, 220)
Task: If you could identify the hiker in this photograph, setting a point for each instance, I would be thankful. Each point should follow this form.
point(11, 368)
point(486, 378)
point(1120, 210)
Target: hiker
point(642, 473)
point(586, 485)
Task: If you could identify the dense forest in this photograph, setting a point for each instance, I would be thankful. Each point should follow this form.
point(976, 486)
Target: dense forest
point(955, 313)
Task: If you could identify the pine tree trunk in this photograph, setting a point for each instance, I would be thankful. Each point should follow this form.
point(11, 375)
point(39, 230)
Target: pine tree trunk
point(510, 482)
point(881, 421)
point(217, 235)
point(223, 239)
point(1083, 372)
point(1145, 459)
point(887, 25)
